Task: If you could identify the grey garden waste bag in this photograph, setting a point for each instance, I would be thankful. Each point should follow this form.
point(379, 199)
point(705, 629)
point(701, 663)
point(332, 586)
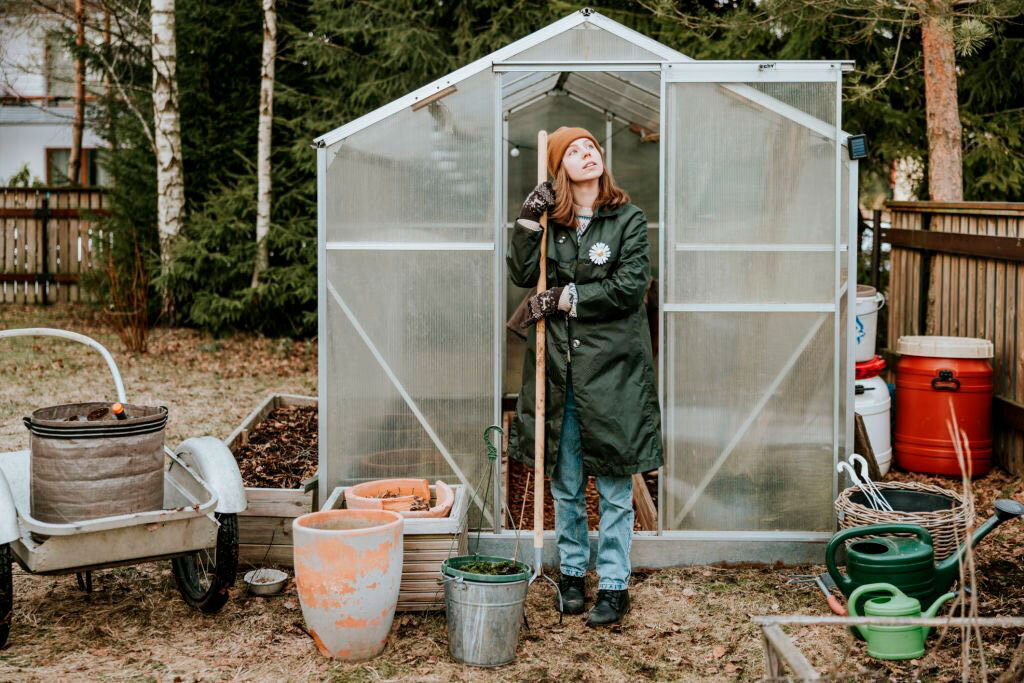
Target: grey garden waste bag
point(87, 464)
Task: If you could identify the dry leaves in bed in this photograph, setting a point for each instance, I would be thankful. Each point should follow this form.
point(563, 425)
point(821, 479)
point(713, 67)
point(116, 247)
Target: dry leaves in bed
point(281, 450)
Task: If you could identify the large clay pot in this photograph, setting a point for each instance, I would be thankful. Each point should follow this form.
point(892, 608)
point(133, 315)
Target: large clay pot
point(348, 567)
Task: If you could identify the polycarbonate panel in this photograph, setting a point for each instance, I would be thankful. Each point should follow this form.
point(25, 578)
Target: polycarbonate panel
point(754, 277)
point(819, 101)
point(751, 203)
point(635, 165)
point(751, 415)
point(582, 43)
point(518, 88)
point(418, 176)
point(747, 174)
point(427, 326)
point(616, 94)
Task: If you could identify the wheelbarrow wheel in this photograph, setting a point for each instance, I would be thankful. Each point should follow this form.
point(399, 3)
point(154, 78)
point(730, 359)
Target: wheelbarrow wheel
point(6, 593)
point(204, 577)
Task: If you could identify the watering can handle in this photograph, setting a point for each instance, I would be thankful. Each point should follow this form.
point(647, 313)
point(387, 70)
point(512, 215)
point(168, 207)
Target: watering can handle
point(860, 590)
point(844, 582)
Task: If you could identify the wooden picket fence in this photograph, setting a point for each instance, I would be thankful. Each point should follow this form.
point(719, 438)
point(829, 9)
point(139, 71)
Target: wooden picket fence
point(47, 240)
point(957, 268)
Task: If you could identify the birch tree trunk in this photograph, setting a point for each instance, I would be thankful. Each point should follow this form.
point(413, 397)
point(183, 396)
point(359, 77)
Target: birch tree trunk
point(263, 141)
point(945, 158)
point(170, 177)
point(78, 124)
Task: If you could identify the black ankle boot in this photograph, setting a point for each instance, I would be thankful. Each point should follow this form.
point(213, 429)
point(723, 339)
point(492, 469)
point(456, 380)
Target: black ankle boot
point(609, 609)
point(573, 592)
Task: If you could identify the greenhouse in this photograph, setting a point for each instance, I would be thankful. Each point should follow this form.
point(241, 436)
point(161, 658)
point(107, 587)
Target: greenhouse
point(750, 195)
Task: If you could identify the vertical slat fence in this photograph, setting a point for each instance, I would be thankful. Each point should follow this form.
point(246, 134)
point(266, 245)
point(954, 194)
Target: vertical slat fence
point(957, 268)
point(46, 240)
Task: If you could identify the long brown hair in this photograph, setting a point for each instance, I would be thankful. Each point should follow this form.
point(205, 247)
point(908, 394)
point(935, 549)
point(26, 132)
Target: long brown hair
point(608, 194)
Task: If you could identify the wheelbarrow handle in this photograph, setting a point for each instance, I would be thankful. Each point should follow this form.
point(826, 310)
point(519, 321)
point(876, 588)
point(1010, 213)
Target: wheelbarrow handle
point(73, 336)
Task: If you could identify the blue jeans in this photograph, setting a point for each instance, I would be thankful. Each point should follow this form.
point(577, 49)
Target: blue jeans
point(568, 484)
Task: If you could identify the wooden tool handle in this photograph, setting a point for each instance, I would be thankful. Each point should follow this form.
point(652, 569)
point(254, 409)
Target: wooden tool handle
point(540, 381)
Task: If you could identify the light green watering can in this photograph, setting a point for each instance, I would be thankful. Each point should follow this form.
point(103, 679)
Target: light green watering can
point(894, 642)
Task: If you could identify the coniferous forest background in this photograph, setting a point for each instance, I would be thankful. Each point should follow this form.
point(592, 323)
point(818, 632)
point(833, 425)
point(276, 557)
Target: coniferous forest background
point(337, 60)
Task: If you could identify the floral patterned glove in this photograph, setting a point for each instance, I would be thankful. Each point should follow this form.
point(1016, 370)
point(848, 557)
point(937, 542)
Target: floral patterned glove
point(540, 200)
point(542, 305)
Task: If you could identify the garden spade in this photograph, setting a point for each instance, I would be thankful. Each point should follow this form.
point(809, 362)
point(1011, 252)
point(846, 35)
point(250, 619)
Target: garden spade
point(540, 383)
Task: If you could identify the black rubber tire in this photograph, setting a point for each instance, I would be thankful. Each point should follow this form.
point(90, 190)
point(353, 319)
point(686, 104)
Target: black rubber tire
point(188, 569)
point(6, 593)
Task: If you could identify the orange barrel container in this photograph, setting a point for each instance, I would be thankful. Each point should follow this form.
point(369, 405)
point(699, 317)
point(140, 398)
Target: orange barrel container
point(932, 371)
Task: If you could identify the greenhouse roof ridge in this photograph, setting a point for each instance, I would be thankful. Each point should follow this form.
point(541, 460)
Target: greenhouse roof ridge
point(578, 18)
point(503, 59)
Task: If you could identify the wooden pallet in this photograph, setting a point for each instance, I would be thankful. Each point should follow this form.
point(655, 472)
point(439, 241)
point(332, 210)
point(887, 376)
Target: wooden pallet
point(426, 543)
point(265, 528)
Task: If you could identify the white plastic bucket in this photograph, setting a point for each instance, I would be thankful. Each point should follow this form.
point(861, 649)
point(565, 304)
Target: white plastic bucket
point(873, 405)
point(869, 303)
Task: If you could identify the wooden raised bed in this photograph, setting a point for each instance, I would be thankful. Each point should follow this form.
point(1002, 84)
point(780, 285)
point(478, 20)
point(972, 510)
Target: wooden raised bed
point(427, 542)
point(265, 528)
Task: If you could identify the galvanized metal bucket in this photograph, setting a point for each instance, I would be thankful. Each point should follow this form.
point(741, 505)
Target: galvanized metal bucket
point(484, 616)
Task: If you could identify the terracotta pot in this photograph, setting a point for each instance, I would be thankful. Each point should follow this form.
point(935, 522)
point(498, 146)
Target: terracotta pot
point(348, 568)
point(374, 495)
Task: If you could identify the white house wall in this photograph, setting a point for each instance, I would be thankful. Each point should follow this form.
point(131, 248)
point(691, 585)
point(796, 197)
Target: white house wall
point(25, 142)
point(27, 130)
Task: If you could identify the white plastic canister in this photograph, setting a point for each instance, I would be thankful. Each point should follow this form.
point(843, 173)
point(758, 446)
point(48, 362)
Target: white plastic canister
point(869, 303)
point(872, 402)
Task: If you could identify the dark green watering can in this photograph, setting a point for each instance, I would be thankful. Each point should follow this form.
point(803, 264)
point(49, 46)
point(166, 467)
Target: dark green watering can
point(907, 563)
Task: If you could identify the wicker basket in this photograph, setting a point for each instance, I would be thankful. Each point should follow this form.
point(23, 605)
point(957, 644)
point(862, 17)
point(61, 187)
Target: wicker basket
point(948, 527)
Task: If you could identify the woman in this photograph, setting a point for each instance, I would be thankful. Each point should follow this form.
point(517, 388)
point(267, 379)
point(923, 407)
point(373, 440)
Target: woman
point(602, 414)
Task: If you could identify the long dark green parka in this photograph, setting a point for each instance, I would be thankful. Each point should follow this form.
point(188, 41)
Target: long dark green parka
point(609, 341)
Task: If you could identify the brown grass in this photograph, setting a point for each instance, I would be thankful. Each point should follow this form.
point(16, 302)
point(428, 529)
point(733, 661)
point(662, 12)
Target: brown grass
point(688, 624)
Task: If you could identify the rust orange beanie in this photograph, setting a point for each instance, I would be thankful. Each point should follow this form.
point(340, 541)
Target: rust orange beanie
point(560, 140)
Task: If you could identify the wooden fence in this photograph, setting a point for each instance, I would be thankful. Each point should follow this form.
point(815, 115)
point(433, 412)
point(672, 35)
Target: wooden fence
point(46, 242)
point(957, 268)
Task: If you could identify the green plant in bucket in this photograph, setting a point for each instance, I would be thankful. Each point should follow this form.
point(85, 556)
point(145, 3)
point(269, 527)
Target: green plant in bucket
point(504, 568)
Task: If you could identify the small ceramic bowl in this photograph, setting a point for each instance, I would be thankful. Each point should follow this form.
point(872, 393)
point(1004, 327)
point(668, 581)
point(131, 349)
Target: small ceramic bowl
point(265, 581)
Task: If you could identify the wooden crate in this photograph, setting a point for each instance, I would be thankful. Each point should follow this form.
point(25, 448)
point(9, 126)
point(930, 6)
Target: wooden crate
point(426, 543)
point(265, 528)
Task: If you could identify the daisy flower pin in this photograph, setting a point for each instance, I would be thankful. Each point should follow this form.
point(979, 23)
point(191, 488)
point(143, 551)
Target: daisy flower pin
point(600, 253)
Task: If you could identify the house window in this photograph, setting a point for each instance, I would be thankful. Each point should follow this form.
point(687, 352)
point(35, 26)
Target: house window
point(94, 174)
point(60, 67)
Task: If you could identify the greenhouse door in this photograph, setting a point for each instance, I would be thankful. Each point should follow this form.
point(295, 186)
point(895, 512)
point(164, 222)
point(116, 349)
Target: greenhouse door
point(753, 276)
point(409, 323)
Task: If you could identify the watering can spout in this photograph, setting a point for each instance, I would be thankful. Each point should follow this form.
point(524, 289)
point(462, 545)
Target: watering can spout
point(946, 571)
point(934, 609)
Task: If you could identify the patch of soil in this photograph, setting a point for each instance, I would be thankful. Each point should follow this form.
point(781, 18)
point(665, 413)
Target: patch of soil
point(517, 493)
point(517, 479)
point(95, 415)
point(489, 568)
point(281, 450)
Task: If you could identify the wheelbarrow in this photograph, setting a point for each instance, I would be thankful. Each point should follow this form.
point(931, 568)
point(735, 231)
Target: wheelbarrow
point(197, 529)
